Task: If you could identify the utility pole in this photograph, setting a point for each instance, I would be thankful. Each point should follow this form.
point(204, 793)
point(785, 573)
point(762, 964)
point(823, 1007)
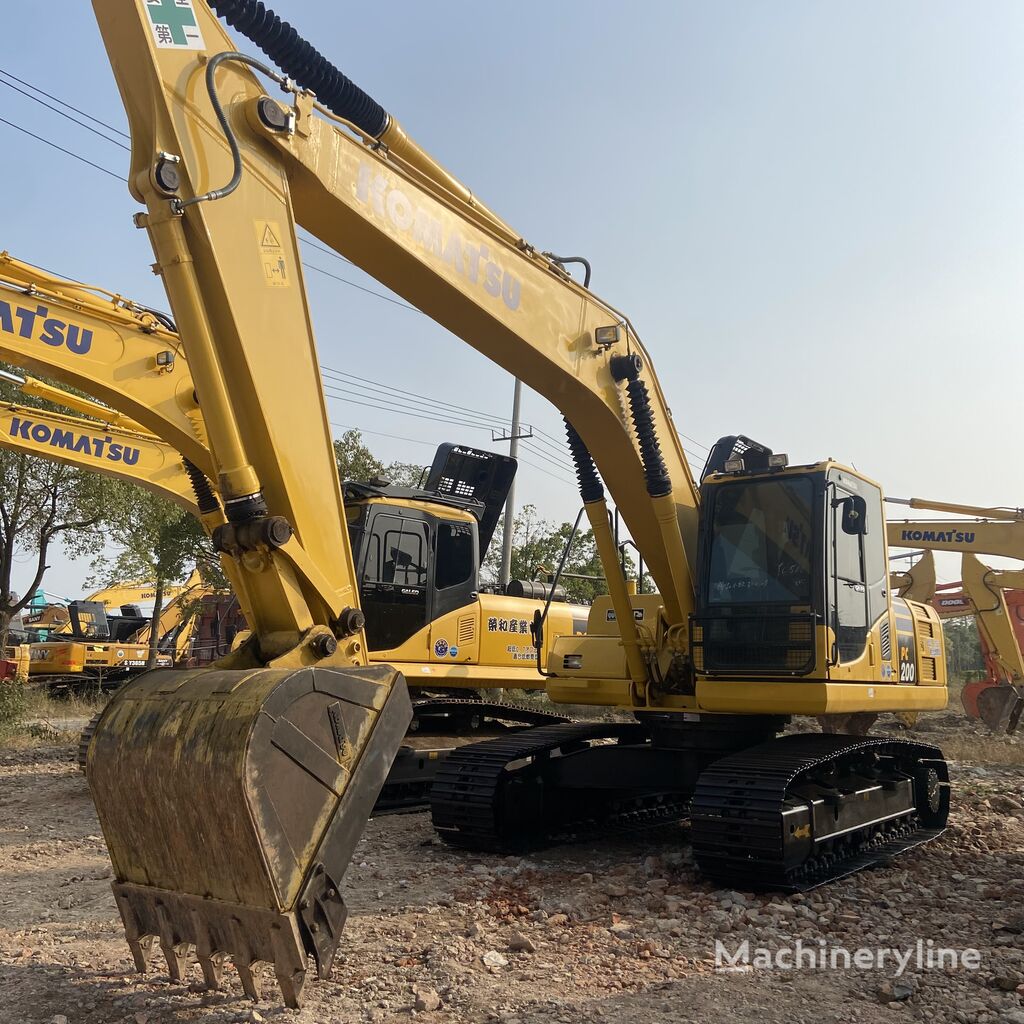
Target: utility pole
point(510, 504)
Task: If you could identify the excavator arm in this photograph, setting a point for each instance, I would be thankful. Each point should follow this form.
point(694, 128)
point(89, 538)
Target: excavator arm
point(996, 531)
point(120, 353)
point(101, 447)
point(988, 531)
point(258, 774)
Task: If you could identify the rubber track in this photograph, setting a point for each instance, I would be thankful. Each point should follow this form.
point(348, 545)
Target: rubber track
point(466, 801)
point(409, 796)
point(736, 812)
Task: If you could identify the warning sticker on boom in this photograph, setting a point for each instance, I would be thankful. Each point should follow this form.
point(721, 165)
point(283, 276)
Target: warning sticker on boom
point(272, 256)
point(174, 24)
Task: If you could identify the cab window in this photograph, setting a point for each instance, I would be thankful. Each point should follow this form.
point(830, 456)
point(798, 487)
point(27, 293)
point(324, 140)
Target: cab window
point(455, 561)
point(396, 552)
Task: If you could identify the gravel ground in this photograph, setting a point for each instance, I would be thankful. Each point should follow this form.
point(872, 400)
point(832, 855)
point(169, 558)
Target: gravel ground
point(621, 930)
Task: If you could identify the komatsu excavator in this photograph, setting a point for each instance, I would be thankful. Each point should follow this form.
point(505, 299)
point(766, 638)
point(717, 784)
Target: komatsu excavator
point(999, 699)
point(995, 599)
point(101, 649)
point(258, 774)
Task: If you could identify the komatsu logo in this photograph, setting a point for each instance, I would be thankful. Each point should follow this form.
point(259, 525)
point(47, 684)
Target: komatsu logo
point(939, 536)
point(475, 263)
point(55, 437)
point(37, 323)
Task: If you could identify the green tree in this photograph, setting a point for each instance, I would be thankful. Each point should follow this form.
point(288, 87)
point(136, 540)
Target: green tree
point(355, 460)
point(405, 474)
point(155, 540)
point(537, 543)
point(963, 649)
point(357, 463)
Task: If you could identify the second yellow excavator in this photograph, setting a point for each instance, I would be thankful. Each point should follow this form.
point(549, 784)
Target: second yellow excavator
point(999, 699)
point(105, 650)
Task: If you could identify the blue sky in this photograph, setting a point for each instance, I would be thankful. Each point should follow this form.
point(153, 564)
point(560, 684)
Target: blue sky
point(811, 212)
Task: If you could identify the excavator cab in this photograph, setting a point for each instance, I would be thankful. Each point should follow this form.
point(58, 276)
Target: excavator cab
point(792, 582)
point(418, 550)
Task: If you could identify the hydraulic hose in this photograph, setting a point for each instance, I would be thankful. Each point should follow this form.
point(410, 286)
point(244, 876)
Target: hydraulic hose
point(591, 488)
point(592, 493)
point(301, 61)
point(205, 498)
point(679, 599)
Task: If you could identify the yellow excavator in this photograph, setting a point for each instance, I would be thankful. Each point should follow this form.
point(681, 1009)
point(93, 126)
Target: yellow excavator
point(772, 578)
point(993, 598)
point(105, 649)
point(998, 700)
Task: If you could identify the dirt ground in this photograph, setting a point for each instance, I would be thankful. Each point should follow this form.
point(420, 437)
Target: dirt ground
point(621, 930)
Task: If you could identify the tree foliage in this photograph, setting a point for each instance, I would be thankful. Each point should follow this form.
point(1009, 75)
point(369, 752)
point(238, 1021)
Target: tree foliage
point(156, 540)
point(537, 545)
point(357, 463)
point(963, 649)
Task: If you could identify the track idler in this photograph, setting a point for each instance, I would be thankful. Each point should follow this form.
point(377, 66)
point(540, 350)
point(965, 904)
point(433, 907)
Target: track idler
point(231, 802)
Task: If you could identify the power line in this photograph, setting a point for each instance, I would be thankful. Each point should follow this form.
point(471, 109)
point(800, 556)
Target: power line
point(359, 287)
point(416, 396)
point(53, 145)
point(419, 412)
point(74, 120)
point(64, 103)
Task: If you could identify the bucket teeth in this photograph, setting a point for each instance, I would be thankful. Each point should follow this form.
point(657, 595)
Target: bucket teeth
point(175, 948)
point(251, 975)
point(213, 969)
point(214, 931)
point(290, 973)
point(211, 961)
point(142, 951)
point(262, 781)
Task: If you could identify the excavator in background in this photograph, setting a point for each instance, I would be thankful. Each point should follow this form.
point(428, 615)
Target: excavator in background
point(104, 649)
point(96, 441)
point(999, 699)
point(772, 586)
point(416, 610)
point(994, 598)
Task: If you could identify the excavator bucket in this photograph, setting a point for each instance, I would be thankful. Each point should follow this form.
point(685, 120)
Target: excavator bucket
point(231, 802)
point(1000, 707)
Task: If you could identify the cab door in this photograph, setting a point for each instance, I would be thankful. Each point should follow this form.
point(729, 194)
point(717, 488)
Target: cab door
point(394, 587)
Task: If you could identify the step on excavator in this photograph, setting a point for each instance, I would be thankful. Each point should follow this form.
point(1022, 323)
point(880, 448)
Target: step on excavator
point(999, 699)
point(259, 773)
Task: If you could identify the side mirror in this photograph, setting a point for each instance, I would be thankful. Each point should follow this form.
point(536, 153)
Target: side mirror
point(537, 630)
point(855, 515)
